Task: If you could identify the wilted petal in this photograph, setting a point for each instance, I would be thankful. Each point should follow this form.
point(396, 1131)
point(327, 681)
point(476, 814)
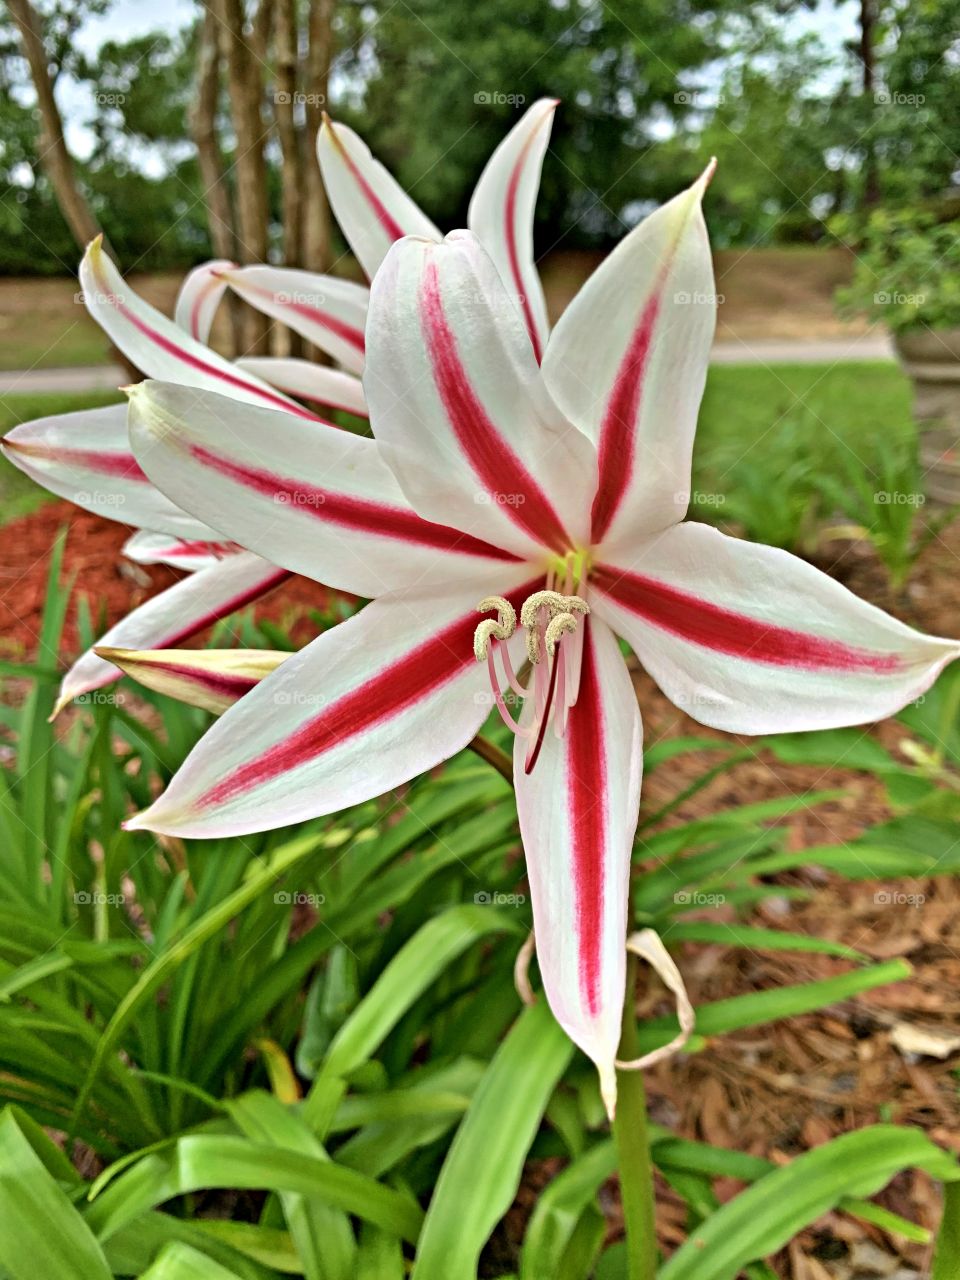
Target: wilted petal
point(501, 213)
point(212, 679)
point(373, 210)
point(578, 814)
point(311, 498)
point(363, 708)
point(458, 405)
point(86, 458)
point(172, 616)
point(628, 360)
point(751, 639)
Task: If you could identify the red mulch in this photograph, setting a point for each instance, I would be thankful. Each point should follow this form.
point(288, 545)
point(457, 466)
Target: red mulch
point(776, 1091)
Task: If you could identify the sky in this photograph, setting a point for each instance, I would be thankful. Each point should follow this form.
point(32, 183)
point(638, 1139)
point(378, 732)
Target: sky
point(834, 22)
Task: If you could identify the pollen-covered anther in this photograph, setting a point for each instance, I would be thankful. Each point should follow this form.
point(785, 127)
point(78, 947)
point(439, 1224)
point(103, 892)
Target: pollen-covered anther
point(500, 629)
point(556, 605)
point(559, 625)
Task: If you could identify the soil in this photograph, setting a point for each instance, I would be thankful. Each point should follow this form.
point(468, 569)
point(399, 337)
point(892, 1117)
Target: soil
point(776, 1091)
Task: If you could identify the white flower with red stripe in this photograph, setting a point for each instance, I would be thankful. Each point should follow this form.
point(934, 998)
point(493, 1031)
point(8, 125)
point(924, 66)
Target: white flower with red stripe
point(551, 499)
point(86, 456)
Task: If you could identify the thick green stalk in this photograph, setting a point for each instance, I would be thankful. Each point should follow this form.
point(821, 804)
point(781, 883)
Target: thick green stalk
point(633, 1148)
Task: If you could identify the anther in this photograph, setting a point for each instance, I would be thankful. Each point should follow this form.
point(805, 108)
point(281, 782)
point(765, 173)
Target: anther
point(559, 625)
point(501, 629)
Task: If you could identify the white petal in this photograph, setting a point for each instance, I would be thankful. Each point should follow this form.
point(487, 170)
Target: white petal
point(86, 458)
point(174, 615)
point(200, 296)
point(458, 406)
point(363, 708)
point(371, 207)
point(307, 496)
point(501, 213)
point(751, 639)
point(308, 381)
point(578, 814)
point(180, 553)
point(628, 360)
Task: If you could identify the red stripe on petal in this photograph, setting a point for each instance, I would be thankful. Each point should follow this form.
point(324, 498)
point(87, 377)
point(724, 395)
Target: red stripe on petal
point(510, 229)
point(380, 211)
point(618, 428)
point(736, 634)
point(587, 816)
point(213, 681)
point(494, 463)
point(123, 465)
point(190, 628)
point(387, 694)
point(352, 513)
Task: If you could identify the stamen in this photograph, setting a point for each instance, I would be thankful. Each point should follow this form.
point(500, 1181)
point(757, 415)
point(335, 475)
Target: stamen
point(542, 720)
point(559, 625)
point(505, 715)
point(502, 629)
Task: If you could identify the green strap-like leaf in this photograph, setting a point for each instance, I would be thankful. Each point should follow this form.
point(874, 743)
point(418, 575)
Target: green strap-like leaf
point(482, 1170)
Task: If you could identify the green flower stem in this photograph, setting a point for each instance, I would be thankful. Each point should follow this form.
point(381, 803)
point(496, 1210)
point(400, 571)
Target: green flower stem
point(633, 1148)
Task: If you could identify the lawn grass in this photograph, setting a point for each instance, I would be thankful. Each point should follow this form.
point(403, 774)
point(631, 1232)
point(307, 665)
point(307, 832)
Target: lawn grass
point(744, 409)
point(18, 494)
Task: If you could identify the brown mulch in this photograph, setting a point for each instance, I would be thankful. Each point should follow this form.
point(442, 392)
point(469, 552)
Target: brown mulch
point(775, 1091)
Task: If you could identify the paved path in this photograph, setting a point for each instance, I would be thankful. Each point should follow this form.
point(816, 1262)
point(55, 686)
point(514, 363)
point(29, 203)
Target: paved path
point(737, 351)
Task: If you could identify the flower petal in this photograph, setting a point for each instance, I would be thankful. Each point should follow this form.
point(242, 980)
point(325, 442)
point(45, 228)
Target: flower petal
point(308, 381)
point(309, 497)
point(173, 615)
point(458, 405)
point(328, 312)
point(371, 207)
point(751, 639)
point(578, 814)
point(86, 458)
point(158, 346)
point(501, 213)
point(182, 553)
point(212, 679)
point(363, 708)
point(628, 360)
point(200, 296)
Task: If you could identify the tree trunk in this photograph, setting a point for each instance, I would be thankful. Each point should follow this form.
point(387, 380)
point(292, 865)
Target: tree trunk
point(285, 99)
point(246, 87)
point(203, 128)
point(55, 157)
point(316, 222)
point(871, 177)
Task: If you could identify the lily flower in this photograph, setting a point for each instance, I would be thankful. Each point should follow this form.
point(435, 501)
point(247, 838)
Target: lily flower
point(86, 458)
point(517, 518)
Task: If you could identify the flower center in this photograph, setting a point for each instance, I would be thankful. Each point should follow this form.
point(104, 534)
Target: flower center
point(554, 641)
